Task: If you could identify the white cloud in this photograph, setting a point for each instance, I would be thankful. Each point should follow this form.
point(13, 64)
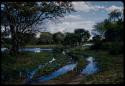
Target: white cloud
point(113, 7)
point(70, 23)
point(86, 6)
point(98, 7)
point(82, 6)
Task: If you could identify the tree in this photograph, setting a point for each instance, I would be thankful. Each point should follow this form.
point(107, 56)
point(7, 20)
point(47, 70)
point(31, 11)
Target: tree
point(115, 15)
point(28, 38)
point(5, 40)
point(82, 35)
point(70, 39)
point(111, 28)
point(23, 16)
point(45, 38)
point(97, 42)
point(58, 37)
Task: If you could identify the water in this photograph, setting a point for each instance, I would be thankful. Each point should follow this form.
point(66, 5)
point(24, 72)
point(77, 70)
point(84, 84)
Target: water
point(32, 73)
point(88, 44)
point(91, 67)
point(36, 50)
point(3, 49)
point(57, 73)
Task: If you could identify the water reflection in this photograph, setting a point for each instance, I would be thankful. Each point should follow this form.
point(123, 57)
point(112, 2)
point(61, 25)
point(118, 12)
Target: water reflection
point(3, 49)
point(32, 73)
point(36, 50)
point(57, 73)
point(91, 68)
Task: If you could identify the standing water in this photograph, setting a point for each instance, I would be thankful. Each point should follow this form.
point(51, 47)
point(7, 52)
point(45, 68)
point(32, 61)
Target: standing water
point(91, 67)
point(32, 73)
point(57, 73)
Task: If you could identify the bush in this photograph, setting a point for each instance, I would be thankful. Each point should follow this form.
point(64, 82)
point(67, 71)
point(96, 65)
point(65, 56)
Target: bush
point(113, 48)
point(116, 48)
point(96, 46)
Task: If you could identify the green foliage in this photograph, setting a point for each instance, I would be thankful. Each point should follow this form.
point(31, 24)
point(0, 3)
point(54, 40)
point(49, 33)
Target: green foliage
point(24, 17)
point(82, 35)
point(116, 48)
point(115, 15)
point(58, 38)
point(112, 31)
point(111, 28)
point(111, 68)
point(45, 38)
point(70, 39)
point(78, 56)
point(97, 42)
point(77, 38)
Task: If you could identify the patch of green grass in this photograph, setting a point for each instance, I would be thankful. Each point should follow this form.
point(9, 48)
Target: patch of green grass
point(61, 60)
point(27, 61)
point(111, 71)
point(105, 77)
point(43, 46)
point(111, 66)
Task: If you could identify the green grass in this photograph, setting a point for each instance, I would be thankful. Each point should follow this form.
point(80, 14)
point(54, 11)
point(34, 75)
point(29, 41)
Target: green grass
point(111, 66)
point(44, 46)
point(27, 61)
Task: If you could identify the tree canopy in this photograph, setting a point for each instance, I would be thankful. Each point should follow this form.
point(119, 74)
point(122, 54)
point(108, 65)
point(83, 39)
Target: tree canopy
point(22, 17)
point(111, 28)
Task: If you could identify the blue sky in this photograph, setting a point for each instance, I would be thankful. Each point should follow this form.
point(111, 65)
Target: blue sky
point(88, 14)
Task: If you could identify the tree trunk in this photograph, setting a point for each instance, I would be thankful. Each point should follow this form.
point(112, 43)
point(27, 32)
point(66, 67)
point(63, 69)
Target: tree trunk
point(15, 47)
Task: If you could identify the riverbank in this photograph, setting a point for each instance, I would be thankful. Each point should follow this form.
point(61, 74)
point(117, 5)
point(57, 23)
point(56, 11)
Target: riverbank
point(111, 70)
point(15, 68)
point(44, 46)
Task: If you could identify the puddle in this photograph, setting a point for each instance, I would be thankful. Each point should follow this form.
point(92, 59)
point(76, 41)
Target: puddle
point(32, 73)
point(91, 67)
point(36, 50)
point(57, 73)
point(3, 49)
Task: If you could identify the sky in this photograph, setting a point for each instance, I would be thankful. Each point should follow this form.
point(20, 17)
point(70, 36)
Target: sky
point(87, 14)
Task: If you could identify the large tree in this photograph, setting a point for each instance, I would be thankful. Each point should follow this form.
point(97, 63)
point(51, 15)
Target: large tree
point(112, 28)
point(58, 38)
point(82, 35)
point(70, 39)
point(21, 17)
point(115, 15)
point(45, 38)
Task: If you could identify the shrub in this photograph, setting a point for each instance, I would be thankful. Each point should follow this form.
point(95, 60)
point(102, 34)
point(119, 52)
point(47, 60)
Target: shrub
point(116, 48)
point(96, 46)
point(113, 47)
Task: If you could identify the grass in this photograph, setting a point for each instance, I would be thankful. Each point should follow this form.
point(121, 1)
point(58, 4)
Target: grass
point(27, 61)
point(44, 46)
point(111, 71)
point(111, 66)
